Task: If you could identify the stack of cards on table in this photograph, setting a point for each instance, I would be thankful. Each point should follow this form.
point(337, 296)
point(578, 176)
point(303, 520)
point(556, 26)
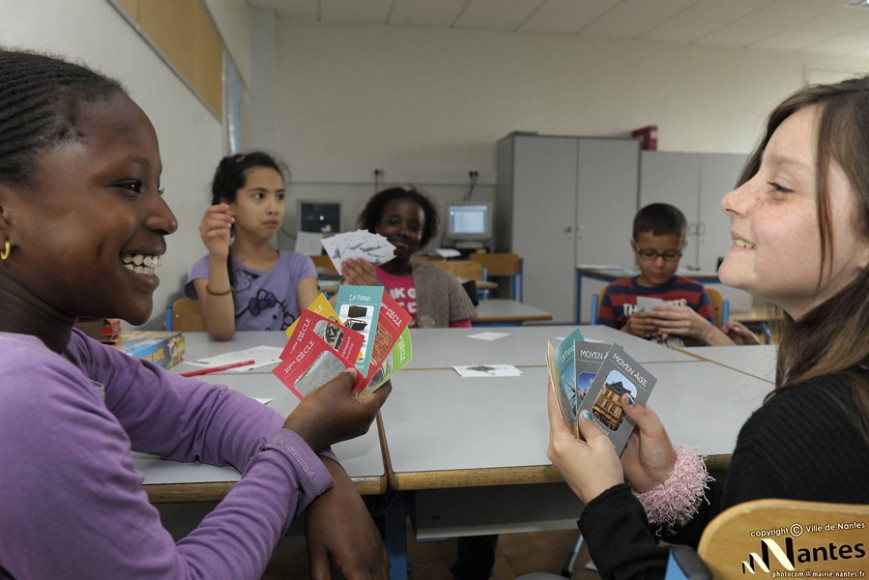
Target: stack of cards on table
point(368, 331)
point(359, 244)
point(593, 376)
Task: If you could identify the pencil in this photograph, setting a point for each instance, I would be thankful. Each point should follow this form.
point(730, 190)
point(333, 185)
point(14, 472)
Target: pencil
point(209, 370)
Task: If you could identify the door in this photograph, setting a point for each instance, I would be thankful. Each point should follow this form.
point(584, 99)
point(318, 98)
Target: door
point(674, 178)
point(544, 206)
point(606, 204)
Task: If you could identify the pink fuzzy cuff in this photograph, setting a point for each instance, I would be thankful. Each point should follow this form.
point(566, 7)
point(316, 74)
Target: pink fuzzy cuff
point(676, 501)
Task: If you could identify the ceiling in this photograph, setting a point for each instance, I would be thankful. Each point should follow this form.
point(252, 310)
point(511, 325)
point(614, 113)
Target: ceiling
point(826, 27)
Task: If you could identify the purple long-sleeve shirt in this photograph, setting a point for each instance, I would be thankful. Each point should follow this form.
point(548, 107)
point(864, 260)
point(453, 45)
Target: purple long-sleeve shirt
point(71, 501)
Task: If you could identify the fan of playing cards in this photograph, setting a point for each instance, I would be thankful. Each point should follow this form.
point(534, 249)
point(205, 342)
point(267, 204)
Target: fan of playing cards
point(359, 244)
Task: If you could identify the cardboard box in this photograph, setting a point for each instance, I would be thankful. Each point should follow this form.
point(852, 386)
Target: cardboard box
point(162, 348)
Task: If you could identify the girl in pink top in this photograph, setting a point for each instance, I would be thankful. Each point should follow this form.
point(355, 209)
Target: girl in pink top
point(409, 220)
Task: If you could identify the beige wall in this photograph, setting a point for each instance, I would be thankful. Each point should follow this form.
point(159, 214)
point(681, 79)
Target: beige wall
point(427, 105)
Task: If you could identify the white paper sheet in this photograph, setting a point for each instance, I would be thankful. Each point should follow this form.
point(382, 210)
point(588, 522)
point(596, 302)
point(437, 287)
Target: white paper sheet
point(261, 355)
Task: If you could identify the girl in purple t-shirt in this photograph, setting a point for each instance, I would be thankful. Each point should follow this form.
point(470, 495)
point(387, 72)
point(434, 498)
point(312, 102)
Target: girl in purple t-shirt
point(244, 283)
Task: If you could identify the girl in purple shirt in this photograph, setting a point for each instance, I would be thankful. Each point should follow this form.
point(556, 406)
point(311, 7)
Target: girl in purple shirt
point(244, 283)
point(82, 228)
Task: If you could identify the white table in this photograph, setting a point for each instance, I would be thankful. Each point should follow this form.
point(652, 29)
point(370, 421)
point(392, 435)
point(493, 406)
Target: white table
point(756, 360)
point(438, 348)
point(171, 481)
point(508, 312)
point(473, 451)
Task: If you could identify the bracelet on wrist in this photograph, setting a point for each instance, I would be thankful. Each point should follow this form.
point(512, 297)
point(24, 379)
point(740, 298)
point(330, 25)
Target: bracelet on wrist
point(213, 293)
point(675, 501)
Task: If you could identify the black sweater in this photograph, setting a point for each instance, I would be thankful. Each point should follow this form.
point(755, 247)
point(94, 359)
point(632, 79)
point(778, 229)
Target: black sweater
point(802, 444)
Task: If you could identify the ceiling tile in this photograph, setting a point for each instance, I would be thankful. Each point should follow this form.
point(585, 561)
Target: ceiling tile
point(722, 11)
point(290, 9)
point(681, 30)
point(363, 11)
point(566, 16)
point(739, 34)
point(785, 14)
point(843, 20)
point(793, 39)
point(841, 44)
point(497, 14)
point(440, 13)
point(622, 25)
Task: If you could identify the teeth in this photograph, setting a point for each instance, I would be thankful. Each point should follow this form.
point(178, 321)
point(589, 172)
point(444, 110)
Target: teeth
point(140, 263)
point(743, 244)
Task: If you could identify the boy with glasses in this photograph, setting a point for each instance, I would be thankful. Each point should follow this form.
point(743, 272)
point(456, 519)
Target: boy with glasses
point(681, 310)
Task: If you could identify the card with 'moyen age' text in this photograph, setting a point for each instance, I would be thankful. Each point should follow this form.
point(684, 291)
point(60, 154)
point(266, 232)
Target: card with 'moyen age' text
point(619, 374)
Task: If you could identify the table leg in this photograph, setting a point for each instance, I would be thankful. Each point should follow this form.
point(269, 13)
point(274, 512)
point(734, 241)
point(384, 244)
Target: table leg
point(396, 536)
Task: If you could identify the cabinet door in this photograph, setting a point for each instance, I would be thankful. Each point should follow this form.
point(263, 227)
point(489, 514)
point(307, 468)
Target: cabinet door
point(718, 175)
point(544, 206)
point(606, 203)
point(674, 178)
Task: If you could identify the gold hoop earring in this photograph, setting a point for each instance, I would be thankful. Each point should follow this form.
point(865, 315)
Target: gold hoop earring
point(7, 249)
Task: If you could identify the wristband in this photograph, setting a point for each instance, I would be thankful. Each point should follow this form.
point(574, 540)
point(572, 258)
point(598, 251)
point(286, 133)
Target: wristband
point(675, 501)
point(213, 293)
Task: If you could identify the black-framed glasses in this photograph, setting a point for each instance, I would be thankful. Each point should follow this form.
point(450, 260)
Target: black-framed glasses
point(650, 254)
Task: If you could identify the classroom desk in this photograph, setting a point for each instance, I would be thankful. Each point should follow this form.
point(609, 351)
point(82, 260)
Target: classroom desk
point(468, 456)
point(438, 348)
point(499, 311)
point(176, 482)
point(612, 273)
point(756, 360)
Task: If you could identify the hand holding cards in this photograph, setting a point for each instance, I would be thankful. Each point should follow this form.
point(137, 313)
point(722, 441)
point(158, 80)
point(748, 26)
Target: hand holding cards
point(368, 332)
point(594, 376)
point(359, 244)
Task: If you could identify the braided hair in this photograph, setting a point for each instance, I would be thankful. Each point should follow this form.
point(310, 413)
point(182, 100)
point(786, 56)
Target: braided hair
point(40, 98)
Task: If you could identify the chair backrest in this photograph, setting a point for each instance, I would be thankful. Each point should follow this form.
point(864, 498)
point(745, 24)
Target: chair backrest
point(187, 316)
point(499, 264)
point(467, 269)
point(503, 265)
point(719, 305)
point(775, 535)
point(324, 264)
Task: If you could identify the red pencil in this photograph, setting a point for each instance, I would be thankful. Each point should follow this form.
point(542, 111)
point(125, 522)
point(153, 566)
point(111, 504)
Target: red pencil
point(196, 373)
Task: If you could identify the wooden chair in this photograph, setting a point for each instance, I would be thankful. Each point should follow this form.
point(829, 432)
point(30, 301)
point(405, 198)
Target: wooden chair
point(185, 315)
point(504, 265)
point(820, 536)
point(466, 270)
point(324, 264)
point(720, 306)
point(759, 538)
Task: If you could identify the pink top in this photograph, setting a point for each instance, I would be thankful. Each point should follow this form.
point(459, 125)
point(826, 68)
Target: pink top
point(403, 290)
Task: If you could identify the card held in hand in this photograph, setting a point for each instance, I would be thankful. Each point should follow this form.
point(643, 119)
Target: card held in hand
point(619, 374)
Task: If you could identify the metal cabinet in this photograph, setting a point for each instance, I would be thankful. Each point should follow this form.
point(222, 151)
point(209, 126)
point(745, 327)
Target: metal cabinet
point(563, 201)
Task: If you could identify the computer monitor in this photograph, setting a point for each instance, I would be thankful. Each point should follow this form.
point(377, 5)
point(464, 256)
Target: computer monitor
point(469, 223)
point(321, 217)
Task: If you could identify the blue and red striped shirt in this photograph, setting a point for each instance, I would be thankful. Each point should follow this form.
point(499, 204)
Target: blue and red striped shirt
point(619, 300)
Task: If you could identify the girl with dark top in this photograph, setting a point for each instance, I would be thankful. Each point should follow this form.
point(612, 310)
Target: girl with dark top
point(800, 230)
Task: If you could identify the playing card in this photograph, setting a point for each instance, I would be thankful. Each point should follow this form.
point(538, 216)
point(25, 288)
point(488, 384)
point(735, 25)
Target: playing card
point(358, 244)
